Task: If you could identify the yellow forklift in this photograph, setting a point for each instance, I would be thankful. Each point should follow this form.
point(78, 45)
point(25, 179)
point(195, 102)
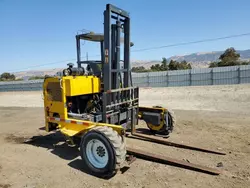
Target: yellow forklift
point(96, 106)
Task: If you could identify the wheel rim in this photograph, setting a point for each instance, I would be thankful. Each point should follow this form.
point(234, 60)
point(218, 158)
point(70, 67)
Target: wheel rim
point(97, 153)
point(155, 127)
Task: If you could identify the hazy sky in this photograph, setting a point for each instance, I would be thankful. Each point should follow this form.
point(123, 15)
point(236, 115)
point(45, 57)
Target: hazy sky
point(36, 32)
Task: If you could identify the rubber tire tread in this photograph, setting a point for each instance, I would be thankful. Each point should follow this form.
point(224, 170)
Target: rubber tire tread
point(173, 118)
point(114, 143)
point(117, 142)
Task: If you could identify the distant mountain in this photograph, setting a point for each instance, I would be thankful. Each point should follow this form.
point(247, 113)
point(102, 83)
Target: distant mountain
point(197, 60)
point(144, 63)
point(25, 75)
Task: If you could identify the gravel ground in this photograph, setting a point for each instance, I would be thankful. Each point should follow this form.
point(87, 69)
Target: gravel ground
point(215, 117)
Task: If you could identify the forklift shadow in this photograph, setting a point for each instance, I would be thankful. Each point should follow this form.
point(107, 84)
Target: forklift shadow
point(147, 132)
point(79, 165)
point(54, 142)
point(144, 131)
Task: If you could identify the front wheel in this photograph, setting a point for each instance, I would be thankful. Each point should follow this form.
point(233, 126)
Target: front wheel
point(102, 151)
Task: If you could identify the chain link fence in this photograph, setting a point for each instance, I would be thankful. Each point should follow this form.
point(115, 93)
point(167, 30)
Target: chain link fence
point(192, 77)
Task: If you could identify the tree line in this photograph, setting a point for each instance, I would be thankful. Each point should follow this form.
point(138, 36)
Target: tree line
point(229, 58)
point(164, 66)
point(11, 77)
point(7, 77)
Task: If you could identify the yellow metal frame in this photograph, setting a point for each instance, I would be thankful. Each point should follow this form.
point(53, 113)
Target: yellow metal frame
point(79, 126)
point(71, 86)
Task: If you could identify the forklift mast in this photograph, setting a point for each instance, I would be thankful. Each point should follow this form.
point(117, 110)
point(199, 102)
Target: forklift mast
point(119, 97)
point(118, 91)
point(112, 44)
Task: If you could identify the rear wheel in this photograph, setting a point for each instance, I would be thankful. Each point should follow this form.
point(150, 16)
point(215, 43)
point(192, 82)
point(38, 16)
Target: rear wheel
point(164, 128)
point(102, 151)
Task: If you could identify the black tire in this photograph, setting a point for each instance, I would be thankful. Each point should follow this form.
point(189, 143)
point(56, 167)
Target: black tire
point(115, 147)
point(171, 120)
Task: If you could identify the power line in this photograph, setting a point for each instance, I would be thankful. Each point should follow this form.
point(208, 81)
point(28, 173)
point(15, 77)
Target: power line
point(83, 30)
point(41, 65)
point(147, 49)
point(193, 42)
point(57, 62)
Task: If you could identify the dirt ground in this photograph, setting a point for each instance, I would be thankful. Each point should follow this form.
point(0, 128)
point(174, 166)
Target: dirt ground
point(216, 117)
